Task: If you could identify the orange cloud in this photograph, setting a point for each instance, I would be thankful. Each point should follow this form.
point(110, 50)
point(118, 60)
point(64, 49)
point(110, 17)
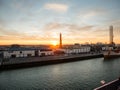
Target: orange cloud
point(56, 7)
point(71, 33)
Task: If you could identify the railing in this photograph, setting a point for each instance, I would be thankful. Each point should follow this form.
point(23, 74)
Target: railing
point(105, 85)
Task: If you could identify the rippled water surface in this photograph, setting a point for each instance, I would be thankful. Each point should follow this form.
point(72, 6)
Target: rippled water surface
point(82, 75)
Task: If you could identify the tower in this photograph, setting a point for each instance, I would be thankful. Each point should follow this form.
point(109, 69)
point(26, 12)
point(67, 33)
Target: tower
point(111, 34)
point(60, 45)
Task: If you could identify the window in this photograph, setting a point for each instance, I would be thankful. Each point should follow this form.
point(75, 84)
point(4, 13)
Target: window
point(10, 51)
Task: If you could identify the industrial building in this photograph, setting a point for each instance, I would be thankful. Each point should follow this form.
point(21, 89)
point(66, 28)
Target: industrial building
point(13, 52)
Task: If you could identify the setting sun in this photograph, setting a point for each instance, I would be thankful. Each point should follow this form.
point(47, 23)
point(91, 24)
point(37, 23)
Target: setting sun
point(54, 43)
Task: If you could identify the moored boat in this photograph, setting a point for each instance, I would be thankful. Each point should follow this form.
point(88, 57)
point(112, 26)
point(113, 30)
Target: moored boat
point(111, 54)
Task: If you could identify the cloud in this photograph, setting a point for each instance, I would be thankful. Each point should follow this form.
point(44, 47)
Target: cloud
point(115, 23)
point(77, 33)
point(51, 26)
point(5, 31)
point(92, 13)
point(55, 25)
point(10, 35)
point(22, 5)
point(70, 31)
point(56, 7)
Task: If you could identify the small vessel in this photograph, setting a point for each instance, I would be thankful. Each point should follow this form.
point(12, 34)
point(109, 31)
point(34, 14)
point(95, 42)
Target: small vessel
point(111, 54)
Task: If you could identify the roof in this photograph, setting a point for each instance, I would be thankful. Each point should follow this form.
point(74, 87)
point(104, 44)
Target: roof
point(19, 49)
point(25, 49)
point(45, 49)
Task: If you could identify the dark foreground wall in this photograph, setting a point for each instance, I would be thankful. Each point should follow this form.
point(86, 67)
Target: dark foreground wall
point(47, 62)
point(113, 85)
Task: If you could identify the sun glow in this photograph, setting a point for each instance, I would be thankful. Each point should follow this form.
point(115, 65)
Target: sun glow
point(54, 43)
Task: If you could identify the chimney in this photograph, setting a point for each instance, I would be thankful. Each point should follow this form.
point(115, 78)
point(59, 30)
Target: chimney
point(60, 46)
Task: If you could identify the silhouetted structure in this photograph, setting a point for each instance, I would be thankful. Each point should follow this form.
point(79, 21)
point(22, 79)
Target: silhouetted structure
point(111, 34)
point(60, 46)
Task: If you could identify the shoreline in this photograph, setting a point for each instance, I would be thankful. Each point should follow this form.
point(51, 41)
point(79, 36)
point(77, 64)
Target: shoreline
point(15, 63)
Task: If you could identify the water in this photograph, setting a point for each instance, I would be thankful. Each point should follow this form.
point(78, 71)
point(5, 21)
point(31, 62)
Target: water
point(81, 75)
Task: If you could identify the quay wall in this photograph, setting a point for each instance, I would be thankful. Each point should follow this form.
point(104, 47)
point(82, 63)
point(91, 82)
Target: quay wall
point(39, 61)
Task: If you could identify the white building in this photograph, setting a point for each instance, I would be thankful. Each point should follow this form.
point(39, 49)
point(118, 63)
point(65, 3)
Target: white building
point(78, 50)
point(26, 52)
point(12, 53)
point(45, 52)
point(106, 48)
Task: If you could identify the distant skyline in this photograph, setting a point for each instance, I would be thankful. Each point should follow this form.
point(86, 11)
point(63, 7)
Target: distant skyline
point(33, 22)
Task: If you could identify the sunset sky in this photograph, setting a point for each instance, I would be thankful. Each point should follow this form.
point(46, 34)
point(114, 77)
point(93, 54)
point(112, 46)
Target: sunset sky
point(41, 21)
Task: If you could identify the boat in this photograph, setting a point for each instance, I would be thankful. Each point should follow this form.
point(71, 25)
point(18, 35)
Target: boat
point(111, 54)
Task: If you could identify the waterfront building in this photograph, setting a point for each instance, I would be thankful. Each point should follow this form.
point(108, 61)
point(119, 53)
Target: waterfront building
point(18, 52)
point(76, 49)
point(26, 53)
point(45, 52)
point(80, 50)
point(106, 48)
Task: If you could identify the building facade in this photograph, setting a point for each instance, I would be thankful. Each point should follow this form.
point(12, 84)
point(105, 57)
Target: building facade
point(18, 53)
point(25, 52)
point(45, 52)
point(77, 50)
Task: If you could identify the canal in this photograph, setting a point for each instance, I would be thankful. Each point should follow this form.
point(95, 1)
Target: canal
point(81, 75)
